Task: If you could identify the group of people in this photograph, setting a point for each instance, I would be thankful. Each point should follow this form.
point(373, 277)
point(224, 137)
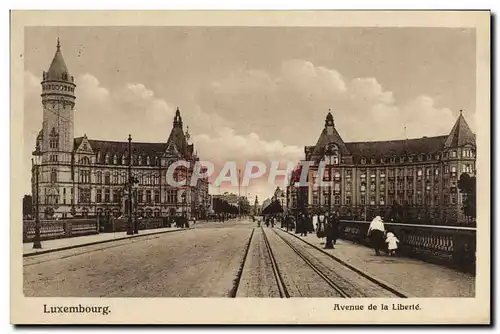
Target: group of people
point(324, 225)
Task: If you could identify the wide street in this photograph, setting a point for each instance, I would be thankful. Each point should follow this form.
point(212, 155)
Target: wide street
point(231, 259)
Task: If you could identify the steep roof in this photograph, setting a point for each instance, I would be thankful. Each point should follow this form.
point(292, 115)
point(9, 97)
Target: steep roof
point(58, 66)
point(176, 144)
point(178, 137)
point(121, 148)
point(388, 148)
point(329, 135)
point(460, 134)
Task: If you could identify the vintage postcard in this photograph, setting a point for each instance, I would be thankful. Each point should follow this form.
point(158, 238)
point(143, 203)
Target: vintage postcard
point(276, 167)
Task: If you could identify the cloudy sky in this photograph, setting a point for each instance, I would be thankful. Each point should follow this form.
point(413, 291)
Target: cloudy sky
point(256, 93)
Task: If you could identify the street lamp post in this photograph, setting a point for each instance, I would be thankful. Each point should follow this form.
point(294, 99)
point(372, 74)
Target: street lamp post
point(134, 198)
point(130, 229)
point(36, 161)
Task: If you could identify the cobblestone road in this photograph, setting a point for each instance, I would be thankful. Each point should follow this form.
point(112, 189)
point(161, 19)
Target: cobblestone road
point(202, 262)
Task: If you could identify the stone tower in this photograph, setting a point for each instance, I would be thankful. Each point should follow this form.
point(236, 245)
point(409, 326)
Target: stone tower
point(55, 140)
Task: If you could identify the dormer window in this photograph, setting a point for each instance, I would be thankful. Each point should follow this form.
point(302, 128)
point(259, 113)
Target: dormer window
point(437, 157)
point(148, 161)
point(373, 161)
point(420, 157)
point(429, 157)
point(140, 160)
point(363, 161)
point(393, 159)
point(453, 154)
point(410, 158)
point(382, 160)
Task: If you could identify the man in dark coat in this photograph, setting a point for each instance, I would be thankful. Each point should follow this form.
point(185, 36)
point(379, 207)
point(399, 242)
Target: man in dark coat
point(329, 231)
point(335, 227)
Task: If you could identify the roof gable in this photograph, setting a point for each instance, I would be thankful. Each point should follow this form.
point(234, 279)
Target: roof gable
point(84, 146)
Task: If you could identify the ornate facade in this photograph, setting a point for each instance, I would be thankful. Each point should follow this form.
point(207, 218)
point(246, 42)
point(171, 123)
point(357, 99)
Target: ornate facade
point(420, 175)
point(81, 177)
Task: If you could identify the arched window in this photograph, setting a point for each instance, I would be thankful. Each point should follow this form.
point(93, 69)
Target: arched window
point(337, 200)
point(53, 176)
point(148, 160)
point(85, 161)
point(115, 159)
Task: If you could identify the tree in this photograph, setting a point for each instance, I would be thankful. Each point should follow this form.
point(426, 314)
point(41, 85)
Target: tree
point(467, 186)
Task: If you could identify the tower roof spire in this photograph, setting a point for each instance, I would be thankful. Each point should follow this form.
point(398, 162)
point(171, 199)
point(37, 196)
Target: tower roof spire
point(58, 69)
point(460, 134)
point(329, 119)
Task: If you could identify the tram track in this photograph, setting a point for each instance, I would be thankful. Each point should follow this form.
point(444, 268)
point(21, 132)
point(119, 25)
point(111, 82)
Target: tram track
point(315, 268)
point(283, 291)
point(365, 275)
point(325, 275)
point(236, 283)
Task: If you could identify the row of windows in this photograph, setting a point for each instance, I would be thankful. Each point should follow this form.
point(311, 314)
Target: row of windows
point(118, 178)
point(372, 200)
point(466, 153)
point(336, 175)
point(142, 196)
point(115, 160)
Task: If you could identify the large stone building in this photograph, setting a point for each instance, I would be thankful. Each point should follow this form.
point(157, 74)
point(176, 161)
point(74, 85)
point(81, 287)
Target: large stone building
point(81, 177)
point(416, 176)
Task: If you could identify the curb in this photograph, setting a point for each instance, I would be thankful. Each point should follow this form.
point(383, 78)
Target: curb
point(99, 242)
point(385, 285)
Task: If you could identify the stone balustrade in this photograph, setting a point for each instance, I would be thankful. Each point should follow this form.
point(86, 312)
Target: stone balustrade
point(453, 246)
point(56, 229)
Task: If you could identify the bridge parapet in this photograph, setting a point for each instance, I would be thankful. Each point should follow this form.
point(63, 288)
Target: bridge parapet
point(453, 246)
point(57, 229)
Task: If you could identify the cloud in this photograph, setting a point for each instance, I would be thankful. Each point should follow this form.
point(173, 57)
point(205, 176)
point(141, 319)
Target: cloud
point(230, 146)
point(291, 105)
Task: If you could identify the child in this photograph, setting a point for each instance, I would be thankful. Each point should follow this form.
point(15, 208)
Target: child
point(392, 242)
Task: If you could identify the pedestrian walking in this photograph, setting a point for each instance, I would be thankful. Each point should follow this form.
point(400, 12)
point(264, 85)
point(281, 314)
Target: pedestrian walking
point(392, 243)
point(315, 222)
point(303, 225)
point(335, 227)
point(329, 232)
point(376, 233)
point(320, 232)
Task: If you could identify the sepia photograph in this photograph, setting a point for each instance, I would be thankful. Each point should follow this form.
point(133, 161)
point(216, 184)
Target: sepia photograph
point(175, 162)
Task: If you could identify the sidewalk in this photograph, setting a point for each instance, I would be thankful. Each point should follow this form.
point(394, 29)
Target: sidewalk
point(68, 243)
point(416, 277)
